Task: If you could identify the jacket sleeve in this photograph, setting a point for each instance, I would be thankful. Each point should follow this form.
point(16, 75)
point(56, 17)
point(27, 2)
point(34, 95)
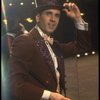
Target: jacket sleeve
point(21, 82)
point(81, 44)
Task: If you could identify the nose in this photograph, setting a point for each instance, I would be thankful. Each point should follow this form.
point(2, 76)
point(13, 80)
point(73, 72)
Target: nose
point(53, 18)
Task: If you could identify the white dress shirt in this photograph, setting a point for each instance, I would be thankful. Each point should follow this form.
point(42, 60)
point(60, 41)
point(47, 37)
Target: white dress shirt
point(46, 93)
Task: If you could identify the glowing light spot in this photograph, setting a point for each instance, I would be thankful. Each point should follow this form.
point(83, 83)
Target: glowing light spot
point(5, 21)
point(86, 54)
point(10, 4)
point(93, 52)
point(32, 3)
point(29, 20)
point(21, 3)
point(82, 14)
point(78, 55)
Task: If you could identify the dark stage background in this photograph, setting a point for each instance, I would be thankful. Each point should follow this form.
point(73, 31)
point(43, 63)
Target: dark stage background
point(66, 29)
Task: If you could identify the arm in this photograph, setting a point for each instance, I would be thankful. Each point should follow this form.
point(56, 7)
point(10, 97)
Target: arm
point(82, 42)
point(23, 28)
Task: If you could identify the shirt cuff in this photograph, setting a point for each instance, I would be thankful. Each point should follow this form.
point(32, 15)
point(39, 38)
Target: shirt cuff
point(46, 94)
point(81, 25)
point(25, 31)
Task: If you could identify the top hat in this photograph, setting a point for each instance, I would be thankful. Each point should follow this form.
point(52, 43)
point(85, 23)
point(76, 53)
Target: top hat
point(41, 5)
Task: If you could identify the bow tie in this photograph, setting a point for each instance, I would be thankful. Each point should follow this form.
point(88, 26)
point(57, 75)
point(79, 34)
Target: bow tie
point(48, 39)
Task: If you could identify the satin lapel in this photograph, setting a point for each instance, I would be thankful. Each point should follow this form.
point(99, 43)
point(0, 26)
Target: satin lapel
point(39, 42)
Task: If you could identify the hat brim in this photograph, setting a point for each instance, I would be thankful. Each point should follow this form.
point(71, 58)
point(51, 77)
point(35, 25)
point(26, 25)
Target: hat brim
point(41, 8)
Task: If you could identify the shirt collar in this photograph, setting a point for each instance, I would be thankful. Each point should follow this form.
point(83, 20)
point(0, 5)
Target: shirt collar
point(40, 31)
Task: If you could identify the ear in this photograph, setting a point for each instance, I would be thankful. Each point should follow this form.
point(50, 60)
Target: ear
point(37, 18)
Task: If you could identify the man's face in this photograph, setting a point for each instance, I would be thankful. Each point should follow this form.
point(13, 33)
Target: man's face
point(48, 20)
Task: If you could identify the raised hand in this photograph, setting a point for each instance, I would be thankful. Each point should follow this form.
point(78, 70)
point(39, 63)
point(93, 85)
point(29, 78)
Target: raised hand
point(72, 11)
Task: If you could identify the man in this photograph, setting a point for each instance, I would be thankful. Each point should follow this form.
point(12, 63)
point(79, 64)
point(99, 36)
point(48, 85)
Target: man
point(36, 61)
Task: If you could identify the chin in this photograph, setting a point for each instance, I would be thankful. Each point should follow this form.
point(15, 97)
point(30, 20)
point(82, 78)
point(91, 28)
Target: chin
point(50, 31)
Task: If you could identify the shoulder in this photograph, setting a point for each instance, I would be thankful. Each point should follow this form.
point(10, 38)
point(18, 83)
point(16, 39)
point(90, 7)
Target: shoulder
point(21, 46)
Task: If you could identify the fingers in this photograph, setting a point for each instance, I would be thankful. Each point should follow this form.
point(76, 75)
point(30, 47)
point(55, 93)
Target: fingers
point(69, 6)
point(57, 96)
point(72, 10)
point(67, 99)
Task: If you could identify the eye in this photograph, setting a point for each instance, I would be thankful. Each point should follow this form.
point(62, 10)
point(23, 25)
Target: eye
point(48, 13)
point(57, 15)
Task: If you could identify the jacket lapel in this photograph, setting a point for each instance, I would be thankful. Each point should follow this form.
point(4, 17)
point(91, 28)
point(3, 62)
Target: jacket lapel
point(40, 43)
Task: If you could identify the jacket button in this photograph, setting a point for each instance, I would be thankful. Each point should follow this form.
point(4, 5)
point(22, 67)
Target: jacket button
point(47, 81)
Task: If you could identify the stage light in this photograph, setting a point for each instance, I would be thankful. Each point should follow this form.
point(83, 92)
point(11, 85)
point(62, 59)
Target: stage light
point(93, 52)
point(82, 14)
point(86, 54)
point(21, 3)
point(29, 20)
point(5, 21)
point(78, 55)
point(10, 4)
point(32, 3)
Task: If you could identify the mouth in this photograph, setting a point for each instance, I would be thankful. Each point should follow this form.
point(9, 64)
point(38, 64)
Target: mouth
point(51, 26)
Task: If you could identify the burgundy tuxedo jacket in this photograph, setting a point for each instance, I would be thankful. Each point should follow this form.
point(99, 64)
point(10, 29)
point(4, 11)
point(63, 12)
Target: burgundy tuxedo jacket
point(31, 66)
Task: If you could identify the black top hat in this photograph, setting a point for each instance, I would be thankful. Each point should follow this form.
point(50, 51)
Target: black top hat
point(41, 5)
